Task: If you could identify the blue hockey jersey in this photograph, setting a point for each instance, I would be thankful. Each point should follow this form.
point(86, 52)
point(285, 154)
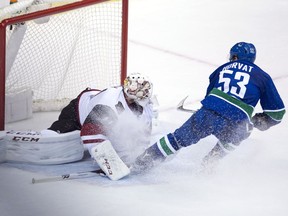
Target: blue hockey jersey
point(236, 87)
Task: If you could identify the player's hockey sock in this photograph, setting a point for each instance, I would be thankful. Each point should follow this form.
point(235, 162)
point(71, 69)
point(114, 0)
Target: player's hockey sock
point(168, 145)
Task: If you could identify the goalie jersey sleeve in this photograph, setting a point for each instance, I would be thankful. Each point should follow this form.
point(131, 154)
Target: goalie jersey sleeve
point(236, 87)
point(97, 114)
point(97, 123)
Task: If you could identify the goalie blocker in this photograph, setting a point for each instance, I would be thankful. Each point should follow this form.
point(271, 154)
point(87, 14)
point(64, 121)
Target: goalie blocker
point(109, 161)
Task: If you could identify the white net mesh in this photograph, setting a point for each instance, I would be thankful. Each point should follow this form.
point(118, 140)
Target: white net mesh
point(65, 53)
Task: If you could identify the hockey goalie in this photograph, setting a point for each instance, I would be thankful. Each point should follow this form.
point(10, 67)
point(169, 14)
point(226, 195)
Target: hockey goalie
point(113, 125)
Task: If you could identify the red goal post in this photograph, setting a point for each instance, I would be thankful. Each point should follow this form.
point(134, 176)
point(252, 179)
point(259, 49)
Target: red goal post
point(62, 50)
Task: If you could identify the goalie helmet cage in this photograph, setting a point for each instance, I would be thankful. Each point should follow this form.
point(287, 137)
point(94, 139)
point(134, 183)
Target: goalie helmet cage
point(75, 45)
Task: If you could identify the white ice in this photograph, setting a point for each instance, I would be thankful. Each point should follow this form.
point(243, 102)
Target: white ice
point(178, 43)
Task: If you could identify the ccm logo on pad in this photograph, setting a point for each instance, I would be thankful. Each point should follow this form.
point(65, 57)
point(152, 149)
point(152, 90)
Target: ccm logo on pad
point(25, 139)
point(108, 166)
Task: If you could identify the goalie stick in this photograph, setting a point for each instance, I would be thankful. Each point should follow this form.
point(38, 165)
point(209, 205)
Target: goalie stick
point(106, 157)
point(70, 176)
point(181, 106)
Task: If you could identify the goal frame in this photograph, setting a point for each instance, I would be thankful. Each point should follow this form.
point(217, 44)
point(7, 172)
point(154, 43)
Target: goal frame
point(38, 14)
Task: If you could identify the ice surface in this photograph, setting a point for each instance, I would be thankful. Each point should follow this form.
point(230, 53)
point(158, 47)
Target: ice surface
point(178, 44)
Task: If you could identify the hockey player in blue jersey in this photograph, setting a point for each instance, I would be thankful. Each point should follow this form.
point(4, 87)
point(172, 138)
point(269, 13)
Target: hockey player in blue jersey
point(234, 90)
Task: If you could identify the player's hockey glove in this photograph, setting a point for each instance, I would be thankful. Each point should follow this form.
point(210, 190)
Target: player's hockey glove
point(262, 121)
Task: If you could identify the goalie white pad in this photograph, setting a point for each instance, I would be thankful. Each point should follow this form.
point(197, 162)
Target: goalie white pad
point(2, 147)
point(43, 148)
point(109, 161)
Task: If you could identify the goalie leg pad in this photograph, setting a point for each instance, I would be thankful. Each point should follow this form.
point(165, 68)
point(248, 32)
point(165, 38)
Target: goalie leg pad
point(109, 161)
point(47, 148)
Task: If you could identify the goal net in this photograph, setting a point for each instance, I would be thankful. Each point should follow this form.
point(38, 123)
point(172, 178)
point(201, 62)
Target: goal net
point(53, 50)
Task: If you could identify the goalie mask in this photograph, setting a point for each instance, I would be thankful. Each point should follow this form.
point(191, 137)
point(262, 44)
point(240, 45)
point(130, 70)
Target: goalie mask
point(138, 87)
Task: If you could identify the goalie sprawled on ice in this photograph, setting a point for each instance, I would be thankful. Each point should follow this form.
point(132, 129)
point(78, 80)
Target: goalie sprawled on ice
point(114, 125)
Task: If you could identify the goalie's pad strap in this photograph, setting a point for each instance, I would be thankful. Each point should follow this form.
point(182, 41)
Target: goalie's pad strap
point(109, 161)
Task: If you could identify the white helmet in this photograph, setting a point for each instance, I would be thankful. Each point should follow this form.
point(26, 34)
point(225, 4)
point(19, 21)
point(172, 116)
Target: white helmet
point(138, 87)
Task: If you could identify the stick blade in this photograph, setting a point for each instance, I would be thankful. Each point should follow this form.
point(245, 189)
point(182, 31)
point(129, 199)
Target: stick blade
point(180, 106)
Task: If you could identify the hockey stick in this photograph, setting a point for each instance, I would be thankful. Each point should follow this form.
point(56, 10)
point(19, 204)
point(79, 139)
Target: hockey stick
point(77, 175)
point(181, 106)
